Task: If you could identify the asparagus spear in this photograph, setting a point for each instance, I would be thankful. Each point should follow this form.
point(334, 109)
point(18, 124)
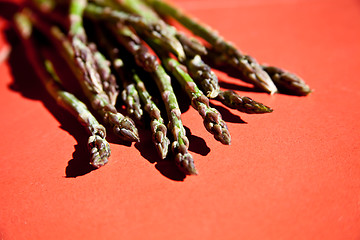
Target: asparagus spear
point(191, 45)
point(287, 82)
point(241, 103)
point(108, 80)
point(212, 118)
point(200, 72)
point(122, 126)
point(98, 146)
point(204, 77)
point(79, 58)
point(158, 128)
point(129, 93)
point(134, 45)
point(249, 70)
point(127, 72)
point(145, 23)
point(180, 145)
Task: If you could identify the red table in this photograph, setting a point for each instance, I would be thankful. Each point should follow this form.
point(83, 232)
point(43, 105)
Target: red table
point(291, 174)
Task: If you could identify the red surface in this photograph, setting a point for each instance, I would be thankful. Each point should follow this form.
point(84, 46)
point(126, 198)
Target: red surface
point(291, 174)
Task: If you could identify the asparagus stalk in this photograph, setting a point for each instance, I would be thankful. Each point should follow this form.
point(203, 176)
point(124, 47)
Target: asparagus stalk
point(131, 96)
point(204, 77)
point(134, 45)
point(249, 70)
point(129, 93)
point(145, 23)
point(200, 72)
point(180, 144)
point(158, 128)
point(213, 121)
point(241, 103)
point(98, 146)
point(108, 80)
point(122, 126)
point(287, 82)
point(191, 45)
point(79, 59)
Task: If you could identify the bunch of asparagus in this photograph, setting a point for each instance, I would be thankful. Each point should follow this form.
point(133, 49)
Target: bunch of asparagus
point(120, 49)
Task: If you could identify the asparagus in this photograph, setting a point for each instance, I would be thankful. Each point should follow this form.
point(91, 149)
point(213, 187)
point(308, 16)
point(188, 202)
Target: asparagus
point(51, 9)
point(204, 77)
point(180, 144)
point(129, 93)
point(134, 45)
point(79, 59)
point(145, 23)
point(201, 73)
point(241, 103)
point(108, 80)
point(122, 126)
point(191, 45)
point(213, 121)
point(249, 70)
point(158, 128)
point(99, 148)
point(287, 82)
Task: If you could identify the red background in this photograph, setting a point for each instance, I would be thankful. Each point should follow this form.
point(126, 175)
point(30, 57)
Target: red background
point(291, 174)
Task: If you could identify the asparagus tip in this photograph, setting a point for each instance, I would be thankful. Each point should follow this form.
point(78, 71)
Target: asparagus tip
point(127, 130)
point(243, 104)
point(99, 150)
point(184, 160)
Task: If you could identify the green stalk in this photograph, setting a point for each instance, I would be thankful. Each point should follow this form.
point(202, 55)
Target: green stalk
point(243, 104)
point(287, 82)
point(99, 148)
point(108, 80)
point(204, 77)
point(134, 45)
point(213, 121)
point(248, 68)
point(158, 128)
point(180, 145)
point(129, 95)
point(81, 62)
point(162, 33)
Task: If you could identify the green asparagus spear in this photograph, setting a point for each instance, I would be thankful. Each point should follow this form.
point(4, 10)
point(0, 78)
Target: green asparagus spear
point(90, 80)
point(129, 93)
point(200, 72)
point(99, 148)
point(180, 145)
point(108, 80)
point(134, 45)
point(249, 69)
point(146, 23)
point(158, 128)
point(130, 96)
point(122, 126)
point(204, 77)
point(191, 45)
point(287, 82)
point(243, 104)
point(79, 59)
point(212, 118)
